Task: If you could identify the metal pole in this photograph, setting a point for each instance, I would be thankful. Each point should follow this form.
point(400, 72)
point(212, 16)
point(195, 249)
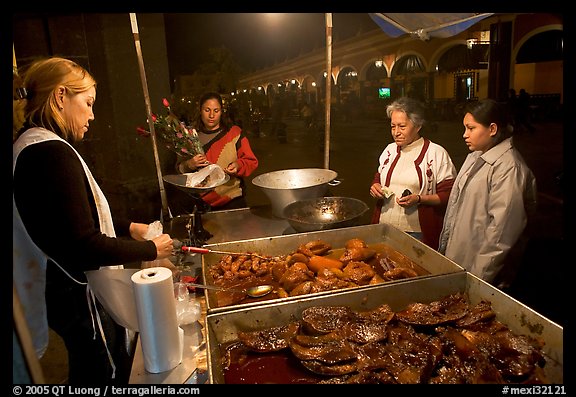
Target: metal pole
point(328, 90)
point(165, 211)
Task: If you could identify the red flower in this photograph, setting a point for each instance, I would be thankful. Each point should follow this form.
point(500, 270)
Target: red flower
point(189, 279)
point(174, 133)
point(142, 132)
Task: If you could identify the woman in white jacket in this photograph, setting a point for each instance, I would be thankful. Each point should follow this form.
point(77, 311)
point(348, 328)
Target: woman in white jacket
point(491, 198)
point(414, 176)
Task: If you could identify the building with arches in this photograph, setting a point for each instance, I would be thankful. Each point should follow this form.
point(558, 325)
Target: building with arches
point(500, 52)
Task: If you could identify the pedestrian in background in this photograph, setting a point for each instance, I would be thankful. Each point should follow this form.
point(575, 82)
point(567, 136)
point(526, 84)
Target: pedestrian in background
point(414, 176)
point(279, 111)
point(491, 199)
point(524, 112)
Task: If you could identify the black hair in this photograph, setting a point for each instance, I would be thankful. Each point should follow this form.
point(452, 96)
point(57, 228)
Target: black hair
point(225, 123)
point(488, 111)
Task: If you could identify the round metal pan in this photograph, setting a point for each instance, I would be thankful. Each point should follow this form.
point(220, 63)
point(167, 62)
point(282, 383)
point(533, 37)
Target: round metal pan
point(286, 186)
point(324, 213)
point(179, 180)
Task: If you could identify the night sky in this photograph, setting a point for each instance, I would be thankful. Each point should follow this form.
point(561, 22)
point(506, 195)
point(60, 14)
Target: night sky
point(257, 40)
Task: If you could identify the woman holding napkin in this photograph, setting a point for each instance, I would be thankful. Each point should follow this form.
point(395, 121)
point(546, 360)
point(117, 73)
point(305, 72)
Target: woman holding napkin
point(225, 145)
point(62, 224)
point(414, 176)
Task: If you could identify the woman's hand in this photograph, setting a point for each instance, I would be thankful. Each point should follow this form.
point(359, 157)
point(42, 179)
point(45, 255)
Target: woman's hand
point(409, 200)
point(232, 168)
point(198, 161)
point(164, 246)
point(376, 190)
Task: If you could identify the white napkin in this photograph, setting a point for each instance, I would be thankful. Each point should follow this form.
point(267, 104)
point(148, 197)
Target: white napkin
point(387, 191)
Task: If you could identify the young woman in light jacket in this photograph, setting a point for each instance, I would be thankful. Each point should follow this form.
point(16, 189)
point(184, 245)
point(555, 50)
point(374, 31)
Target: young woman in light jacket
point(491, 199)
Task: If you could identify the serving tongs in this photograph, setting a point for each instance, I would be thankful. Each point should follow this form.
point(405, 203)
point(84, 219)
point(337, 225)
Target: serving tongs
point(200, 250)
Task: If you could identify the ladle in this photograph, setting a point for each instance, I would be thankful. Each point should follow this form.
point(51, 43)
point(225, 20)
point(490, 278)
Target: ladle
point(255, 292)
point(199, 250)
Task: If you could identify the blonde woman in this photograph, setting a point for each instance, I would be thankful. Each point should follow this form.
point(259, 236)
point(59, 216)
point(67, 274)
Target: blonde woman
point(62, 224)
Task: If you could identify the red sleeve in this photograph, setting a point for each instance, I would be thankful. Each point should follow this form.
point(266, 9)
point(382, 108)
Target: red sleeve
point(247, 161)
point(443, 190)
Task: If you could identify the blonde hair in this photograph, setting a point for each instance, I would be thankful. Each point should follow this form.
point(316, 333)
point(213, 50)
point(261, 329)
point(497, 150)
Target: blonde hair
point(41, 80)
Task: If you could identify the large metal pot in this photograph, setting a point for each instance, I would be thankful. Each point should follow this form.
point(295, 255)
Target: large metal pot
point(286, 186)
point(324, 213)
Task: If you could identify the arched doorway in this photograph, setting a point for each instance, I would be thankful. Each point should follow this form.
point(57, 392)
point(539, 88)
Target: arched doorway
point(348, 94)
point(538, 69)
point(409, 78)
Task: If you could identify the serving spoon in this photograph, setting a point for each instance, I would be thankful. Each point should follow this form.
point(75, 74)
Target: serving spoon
point(199, 250)
point(256, 291)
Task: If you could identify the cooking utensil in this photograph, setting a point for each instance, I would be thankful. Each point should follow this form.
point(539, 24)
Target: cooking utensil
point(179, 180)
point(256, 291)
point(286, 186)
point(199, 250)
point(324, 213)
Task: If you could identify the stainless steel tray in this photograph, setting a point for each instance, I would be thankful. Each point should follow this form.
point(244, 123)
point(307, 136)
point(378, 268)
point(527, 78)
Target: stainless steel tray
point(412, 248)
point(222, 327)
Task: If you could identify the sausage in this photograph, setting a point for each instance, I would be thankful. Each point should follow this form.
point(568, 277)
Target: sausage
point(318, 262)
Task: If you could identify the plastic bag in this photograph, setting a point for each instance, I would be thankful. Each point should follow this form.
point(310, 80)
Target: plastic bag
point(188, 309)
point(208, 177)
point(155, 229)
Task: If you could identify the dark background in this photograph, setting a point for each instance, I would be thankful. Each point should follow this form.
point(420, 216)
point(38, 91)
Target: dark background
point(257, 40)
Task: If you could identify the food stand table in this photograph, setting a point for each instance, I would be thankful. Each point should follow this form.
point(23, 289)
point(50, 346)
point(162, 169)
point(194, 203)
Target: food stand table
point(228, 225)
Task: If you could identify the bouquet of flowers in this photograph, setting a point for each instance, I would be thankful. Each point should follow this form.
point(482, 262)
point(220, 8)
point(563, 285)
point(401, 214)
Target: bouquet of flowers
point(174, 133)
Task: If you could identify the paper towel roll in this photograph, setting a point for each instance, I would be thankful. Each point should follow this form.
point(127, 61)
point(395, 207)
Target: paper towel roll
point(161, 338)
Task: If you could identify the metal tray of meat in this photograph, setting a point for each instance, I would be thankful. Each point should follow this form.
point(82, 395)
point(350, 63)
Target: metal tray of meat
point(222, 328)
point(426, 258)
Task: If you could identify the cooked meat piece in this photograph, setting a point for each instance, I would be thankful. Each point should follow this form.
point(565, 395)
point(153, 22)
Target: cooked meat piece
point(364, 331)
point(361, 378)
point(412, 356)
point(475, 366)
point(481, 312)
point(317, 340)
point(382, 263)
point(369, 326)
point(449, 309)
point(357, 254)
point(295, 275)
point(355, 243)
point(326, 349)
point(324, 319)
point(321, 368)
point(516, 356)
point(316, 247)
point(382, 313)
point(399, 273)
point(278, 269)
point(359, 272)
point(302, 288)
point(269, 339)
point(297, 257)
point(328, 280)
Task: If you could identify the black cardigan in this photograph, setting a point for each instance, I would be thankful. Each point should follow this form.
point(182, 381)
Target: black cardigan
point(56, 205)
